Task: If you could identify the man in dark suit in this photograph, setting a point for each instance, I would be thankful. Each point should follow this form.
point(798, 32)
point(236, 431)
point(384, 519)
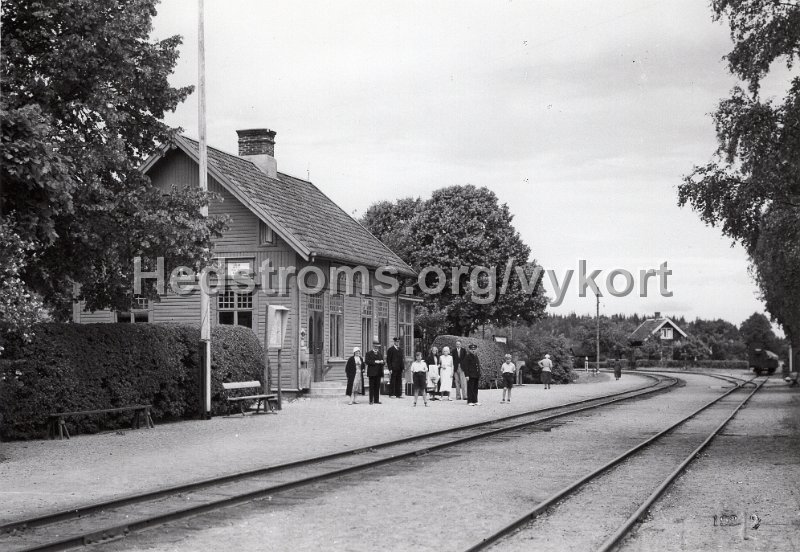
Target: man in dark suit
point(395, 363)
point(459, 354)
point(374, 362)
point(472, 369)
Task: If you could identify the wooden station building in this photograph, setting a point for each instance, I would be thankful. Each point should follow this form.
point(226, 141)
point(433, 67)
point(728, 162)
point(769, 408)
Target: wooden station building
point(288, 222)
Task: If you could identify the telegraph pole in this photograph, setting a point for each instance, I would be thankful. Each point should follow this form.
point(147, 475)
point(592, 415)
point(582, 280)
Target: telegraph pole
point(205, 310)
point(597, 359)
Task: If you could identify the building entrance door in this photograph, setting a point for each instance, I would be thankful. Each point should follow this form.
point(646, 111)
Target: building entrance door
point(316, 342)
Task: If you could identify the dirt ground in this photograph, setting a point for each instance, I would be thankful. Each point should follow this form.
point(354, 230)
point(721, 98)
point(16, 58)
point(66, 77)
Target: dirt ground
point(751, 469)
point(449, 500)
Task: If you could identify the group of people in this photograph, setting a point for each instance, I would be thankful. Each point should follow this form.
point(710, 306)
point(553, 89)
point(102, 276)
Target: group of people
point(434, 375)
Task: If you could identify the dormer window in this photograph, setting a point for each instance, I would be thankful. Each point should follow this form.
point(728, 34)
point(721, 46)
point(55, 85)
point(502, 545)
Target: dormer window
point(265, 234)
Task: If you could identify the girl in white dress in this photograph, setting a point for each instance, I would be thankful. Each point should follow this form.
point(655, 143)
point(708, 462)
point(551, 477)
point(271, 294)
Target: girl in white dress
point(445, 373)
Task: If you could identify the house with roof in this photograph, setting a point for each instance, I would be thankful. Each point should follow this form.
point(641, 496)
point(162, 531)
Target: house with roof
point(660, 329)
point(287, 224)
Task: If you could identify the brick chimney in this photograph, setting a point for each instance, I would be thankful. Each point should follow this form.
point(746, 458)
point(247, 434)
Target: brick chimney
point(258, 145)
point(658, 315)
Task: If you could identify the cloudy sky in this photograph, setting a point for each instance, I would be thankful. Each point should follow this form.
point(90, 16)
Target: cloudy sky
point(582, 116)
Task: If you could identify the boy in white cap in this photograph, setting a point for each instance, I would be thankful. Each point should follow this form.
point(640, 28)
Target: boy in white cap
point(547, 370)
point(507, 370)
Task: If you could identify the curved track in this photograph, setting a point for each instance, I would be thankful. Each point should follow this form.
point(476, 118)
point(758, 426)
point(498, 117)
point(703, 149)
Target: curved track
point(516, 534)
point(114, 519)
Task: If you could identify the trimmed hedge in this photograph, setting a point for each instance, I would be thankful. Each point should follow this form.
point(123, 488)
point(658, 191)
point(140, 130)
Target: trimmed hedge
point(558, 349)
point(489, 353)
point(713, 364)
point(70, 367)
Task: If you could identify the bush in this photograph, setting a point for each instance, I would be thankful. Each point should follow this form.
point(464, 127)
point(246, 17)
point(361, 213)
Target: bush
point(558, 349)
point(712, 364)
point(490, 354)
point(69, 367)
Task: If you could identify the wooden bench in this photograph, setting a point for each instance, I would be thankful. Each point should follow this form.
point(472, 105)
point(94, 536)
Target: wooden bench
point(57, 422)
point(268, 400)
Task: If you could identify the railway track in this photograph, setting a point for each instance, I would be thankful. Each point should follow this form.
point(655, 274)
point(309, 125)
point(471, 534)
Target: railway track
point(114, 519)
point(639, 476)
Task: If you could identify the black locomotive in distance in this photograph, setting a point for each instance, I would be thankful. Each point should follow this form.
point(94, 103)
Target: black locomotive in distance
point(762, 361)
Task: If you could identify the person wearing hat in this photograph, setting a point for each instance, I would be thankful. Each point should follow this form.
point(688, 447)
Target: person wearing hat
point(354, 370)
point(508, 369)
point(547, 370)
point(394, 362)
point(374, 362)
point(472, 370)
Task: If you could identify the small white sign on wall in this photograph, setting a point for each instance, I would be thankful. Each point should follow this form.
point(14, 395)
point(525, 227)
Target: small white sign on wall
point(277, 320)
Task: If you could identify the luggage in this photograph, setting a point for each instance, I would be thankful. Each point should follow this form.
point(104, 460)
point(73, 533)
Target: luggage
point(409, 388)
point(385, 386)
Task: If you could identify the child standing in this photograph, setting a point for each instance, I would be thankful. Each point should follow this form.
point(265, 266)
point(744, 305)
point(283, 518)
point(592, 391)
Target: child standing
point(508, 369)
point(419, 372)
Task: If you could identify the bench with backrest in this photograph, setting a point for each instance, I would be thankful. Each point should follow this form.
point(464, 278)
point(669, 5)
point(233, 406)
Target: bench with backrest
point(57, 420)
point(242, 392)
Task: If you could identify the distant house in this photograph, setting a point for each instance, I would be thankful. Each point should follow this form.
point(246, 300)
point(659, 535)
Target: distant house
point(288, 222)
point(661, 329)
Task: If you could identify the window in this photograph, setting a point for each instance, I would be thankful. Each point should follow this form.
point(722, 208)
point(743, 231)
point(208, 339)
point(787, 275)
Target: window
point(341, 283)
point(138, 314)
point(315, 302)
point(382, 312)
point(235, 309)
point(336, 337)
point(406, 328)
point(366, 325)
point(666, 333)
point(358, 284)
point(265, 234)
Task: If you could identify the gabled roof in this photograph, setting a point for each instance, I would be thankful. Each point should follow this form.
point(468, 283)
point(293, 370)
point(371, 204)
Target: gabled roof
point(650, 327)
point(296, 210)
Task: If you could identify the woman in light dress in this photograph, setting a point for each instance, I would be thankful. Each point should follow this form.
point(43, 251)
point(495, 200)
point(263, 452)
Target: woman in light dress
point(354, 369)
point(445, 373)
point(433, 371)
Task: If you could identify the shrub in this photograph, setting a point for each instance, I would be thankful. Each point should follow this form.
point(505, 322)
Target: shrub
point(490, 354)
point(712, 364)
point(69, 367)
point(558, 349)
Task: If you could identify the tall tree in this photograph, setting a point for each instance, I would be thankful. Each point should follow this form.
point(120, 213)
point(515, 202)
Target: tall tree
point(463, 226)
point(757, 333)
point(753, 182)
point(84, 94)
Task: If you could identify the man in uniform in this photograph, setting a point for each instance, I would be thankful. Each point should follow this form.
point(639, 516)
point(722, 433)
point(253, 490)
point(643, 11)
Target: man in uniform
point(459, 354)
point(394, 361)
point(472, 370)
point(374, 362)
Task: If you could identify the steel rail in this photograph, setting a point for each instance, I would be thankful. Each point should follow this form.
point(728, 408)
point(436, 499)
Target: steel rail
point(573, 487)
point(121, 530)
point(82, 511)
point(694, 373)
point(629, 523)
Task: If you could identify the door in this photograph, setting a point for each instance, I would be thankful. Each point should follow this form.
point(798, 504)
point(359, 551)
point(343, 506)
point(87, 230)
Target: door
point(316, 340)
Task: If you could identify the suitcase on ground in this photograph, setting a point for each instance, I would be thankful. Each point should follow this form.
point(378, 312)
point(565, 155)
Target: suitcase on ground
point(409, 388)
point(385, 385)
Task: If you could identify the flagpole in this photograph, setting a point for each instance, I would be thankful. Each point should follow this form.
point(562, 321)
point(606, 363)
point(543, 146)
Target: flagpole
point(205, 310)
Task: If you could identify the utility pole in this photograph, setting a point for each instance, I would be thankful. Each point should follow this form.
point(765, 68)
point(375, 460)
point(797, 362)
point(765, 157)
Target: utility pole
point(205, 307)
point(597, 359)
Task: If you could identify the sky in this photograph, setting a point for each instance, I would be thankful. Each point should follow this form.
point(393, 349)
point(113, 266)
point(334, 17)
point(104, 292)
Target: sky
point(582, 116)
